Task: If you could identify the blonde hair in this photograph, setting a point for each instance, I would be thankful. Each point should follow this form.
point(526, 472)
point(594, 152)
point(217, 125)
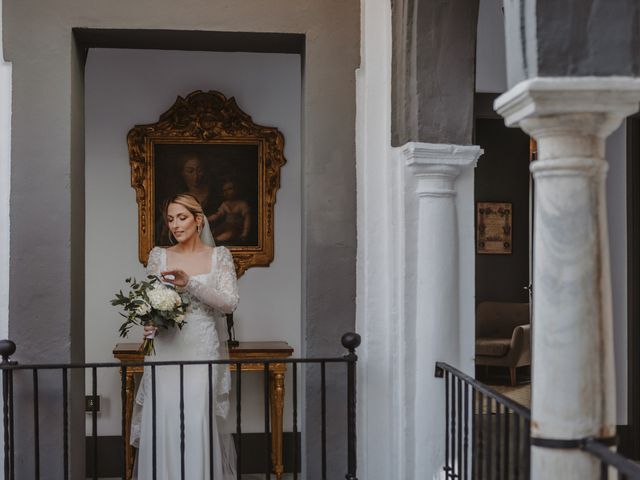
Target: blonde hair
point(188, 201)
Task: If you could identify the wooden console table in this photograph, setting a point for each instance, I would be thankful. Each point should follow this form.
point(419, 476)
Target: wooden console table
point(130, 353)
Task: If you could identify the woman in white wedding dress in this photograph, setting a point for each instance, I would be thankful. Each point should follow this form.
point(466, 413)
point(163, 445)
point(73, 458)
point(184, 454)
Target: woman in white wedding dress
point(207, 274)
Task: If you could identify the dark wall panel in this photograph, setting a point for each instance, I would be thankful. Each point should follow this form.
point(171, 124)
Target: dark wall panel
point(502, 175)
point(630, 434)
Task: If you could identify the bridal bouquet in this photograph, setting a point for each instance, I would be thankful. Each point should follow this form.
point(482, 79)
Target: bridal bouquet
point(150, 302)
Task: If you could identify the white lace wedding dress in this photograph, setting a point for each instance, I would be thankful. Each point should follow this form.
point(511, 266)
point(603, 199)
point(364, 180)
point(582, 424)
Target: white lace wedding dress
point(203, 337)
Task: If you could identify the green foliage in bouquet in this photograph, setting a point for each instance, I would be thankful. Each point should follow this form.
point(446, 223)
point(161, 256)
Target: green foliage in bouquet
point(150, 302)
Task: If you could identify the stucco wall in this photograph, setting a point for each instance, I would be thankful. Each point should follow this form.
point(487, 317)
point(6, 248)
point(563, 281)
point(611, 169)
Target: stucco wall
point(588, 37)
point(572, 38)
point(491, 67)
point(47, 278)
point(433, 59)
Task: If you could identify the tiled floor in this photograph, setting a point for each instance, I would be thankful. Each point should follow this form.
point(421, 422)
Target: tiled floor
point(519, 393)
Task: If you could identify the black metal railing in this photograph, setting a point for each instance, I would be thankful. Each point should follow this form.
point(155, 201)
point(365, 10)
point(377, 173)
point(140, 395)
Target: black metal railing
point(611, 463)
point(26, 387)
point(488, 435)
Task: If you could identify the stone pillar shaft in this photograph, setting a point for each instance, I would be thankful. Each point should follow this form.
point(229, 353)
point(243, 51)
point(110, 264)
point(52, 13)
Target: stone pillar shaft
point(573, 344)
point(573, 393)
point(436, 324)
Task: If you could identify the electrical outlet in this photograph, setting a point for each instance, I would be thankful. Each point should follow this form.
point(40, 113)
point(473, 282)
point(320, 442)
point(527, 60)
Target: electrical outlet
point(91, 403)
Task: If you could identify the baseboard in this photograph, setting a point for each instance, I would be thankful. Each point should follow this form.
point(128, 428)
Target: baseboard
point(253, 454)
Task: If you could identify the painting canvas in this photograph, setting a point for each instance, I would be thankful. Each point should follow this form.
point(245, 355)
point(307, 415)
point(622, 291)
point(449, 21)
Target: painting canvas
point(223, 177)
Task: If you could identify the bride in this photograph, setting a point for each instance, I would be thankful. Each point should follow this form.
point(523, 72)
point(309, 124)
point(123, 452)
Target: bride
point(207, 274)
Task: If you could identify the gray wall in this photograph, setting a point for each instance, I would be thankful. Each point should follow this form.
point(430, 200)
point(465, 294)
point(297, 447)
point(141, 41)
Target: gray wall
point(491, 64)
point(433, 71)
point(551, 38)
point(47, 235)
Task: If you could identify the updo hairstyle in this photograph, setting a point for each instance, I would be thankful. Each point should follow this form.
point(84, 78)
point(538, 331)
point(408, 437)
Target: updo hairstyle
point(188, 201)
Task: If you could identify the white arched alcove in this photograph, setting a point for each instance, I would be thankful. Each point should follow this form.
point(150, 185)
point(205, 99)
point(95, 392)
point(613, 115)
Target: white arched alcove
point(125, 87)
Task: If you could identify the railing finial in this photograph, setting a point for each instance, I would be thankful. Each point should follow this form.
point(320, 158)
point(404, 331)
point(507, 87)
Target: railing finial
point(351, 341)
point(7, 348)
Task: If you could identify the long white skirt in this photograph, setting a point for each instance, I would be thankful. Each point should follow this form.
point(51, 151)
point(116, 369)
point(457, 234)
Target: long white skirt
point(205, 446)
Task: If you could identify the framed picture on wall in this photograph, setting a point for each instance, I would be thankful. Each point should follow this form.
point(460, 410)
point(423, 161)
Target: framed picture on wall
point(494, 227)
point(223, 176)
point(205, 145)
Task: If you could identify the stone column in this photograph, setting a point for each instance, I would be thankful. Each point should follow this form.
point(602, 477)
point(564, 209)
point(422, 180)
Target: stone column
point(573, 364)
point(433, 325)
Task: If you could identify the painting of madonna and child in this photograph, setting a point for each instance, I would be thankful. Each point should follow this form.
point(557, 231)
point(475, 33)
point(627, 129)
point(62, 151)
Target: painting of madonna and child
point(223, 177)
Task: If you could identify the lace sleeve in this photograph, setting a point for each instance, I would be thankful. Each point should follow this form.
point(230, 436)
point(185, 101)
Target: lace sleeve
point(154, 262)
point(223, 294)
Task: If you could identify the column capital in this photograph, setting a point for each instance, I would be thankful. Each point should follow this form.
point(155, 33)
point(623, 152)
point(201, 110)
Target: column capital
point(611, 98)
point(419, 154)
point(437, 165)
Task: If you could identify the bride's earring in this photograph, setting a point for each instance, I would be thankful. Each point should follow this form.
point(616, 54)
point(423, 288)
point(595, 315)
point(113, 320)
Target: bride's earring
point(199, 228)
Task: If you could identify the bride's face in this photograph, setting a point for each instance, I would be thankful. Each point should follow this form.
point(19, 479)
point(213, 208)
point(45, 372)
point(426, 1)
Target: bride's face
point(182, 223)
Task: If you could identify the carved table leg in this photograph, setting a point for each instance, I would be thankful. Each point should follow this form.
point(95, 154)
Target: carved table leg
point(277, 412)
point(129, 391)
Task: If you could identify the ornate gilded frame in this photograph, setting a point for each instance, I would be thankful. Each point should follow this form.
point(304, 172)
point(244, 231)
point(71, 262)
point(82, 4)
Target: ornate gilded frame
point(207, 118)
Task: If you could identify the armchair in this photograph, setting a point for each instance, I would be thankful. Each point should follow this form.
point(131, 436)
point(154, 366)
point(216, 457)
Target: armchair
point(503, 335)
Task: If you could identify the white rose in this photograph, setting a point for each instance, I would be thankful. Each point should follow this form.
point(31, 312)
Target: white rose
point(143, 308)
point(179, 318)
point(177, 300)
point(162, 298)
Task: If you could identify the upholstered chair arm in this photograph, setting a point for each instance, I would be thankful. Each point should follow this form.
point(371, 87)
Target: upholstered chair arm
point(520, 343)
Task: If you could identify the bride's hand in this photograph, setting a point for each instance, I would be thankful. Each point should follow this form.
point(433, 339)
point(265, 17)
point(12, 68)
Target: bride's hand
point(149, 331)
point(177, 277)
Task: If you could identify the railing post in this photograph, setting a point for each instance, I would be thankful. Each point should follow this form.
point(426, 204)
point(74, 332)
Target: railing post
point(7, 348)
point(351, 341)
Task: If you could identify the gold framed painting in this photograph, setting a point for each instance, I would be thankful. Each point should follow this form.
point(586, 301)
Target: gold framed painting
point(207, 146)
point(494, 227)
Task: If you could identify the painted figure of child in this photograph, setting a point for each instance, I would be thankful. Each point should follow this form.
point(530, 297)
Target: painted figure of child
point(236, 214)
